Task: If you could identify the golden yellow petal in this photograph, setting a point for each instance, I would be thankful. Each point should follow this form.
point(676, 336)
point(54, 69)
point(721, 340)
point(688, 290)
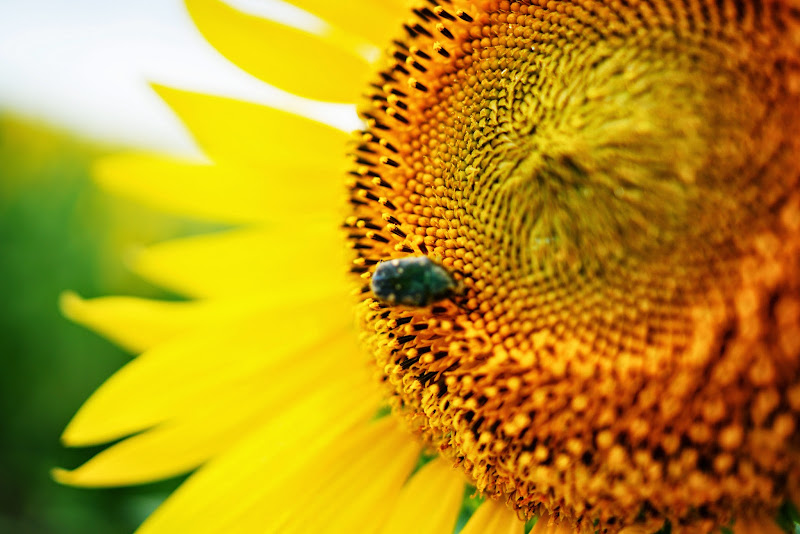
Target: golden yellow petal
point(246, 134)
point(545, 524)
point(137, 324)
point(375, 21)
point(284, 264)
point(215, 425)
point(494, 517)
point(245, 491)
point(229, 194)
point(429, 502)
point(273, 52)
point(172, 378)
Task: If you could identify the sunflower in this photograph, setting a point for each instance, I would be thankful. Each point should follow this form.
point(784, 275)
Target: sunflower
point(568, 231)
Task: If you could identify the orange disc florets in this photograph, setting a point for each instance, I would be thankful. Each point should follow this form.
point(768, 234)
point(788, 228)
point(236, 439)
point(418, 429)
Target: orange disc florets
point(615, 188)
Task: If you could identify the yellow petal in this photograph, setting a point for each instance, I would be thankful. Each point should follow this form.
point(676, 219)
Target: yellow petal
point(245, 134)
point(361, 492)
point(494, 517)
point(245, 491)
point(548, 525)
point(222, 193)
point(212, 427)
point(377, 22)
point(284, 264)
point(429, 502)
point(294, 60)
point(137, 324)
point(172, 378)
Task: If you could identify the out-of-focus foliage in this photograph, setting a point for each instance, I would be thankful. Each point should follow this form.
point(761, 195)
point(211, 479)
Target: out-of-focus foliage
point(58, 232)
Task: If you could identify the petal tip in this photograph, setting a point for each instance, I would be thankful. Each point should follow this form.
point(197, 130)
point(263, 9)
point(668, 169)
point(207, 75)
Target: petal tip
point(71, 305)
point(78, 477)
point(71, 437)
point(62, 476)
point(164, 92)
point(83, 431)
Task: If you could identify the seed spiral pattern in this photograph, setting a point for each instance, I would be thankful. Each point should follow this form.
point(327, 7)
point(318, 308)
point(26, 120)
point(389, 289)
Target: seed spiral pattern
point(614, 185)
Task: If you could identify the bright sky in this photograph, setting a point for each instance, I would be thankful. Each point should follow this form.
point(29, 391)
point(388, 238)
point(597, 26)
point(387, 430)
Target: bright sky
point(85, 64)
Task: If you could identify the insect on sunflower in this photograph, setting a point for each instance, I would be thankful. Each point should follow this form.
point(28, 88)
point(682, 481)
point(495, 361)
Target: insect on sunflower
point(573, 237)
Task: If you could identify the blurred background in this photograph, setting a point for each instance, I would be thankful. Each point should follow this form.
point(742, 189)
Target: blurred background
point(73, 87)
point(58, 232)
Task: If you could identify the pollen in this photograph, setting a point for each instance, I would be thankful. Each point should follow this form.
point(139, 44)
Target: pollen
point(614, 188)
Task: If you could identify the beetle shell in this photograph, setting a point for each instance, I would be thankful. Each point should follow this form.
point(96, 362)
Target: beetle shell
point(413, 281)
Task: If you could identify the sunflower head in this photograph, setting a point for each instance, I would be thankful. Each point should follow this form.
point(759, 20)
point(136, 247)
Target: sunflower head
point(614, 187)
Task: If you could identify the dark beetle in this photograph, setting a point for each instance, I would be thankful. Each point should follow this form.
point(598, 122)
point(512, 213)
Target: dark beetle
point(413, 281)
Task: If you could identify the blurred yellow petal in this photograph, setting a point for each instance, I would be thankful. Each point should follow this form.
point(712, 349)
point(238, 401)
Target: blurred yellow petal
point(331, 69)
point(547, 525)
point(246, 134)
point(284, 265)
point(137, 324)
point(172, 378)
point(378, 22)
point(245, 491)
point(359, 494)
point(429, 502)
point(494, 517)
point(179, 446)
point(219, 193)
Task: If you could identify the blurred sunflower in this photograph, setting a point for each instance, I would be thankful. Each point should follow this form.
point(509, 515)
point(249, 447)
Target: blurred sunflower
point(611, 188)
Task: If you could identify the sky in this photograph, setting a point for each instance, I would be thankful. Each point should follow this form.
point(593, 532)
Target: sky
point(85, 65)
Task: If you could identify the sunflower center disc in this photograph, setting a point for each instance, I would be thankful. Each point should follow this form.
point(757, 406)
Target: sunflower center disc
point(615, 188)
